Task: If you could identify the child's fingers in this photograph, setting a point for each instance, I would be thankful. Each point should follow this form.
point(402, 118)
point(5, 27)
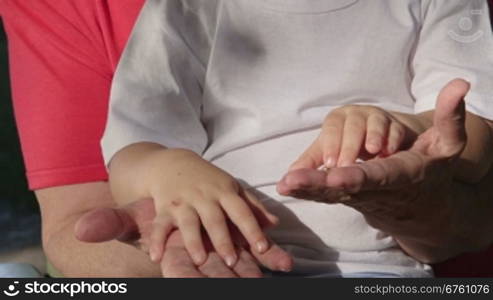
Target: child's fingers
point(353, 138)
point(161, 227)
point(311, 158)
point(242, 216)
point(376, 131)
point(331, 138)
point(190, 227)
point(215, 224)
point(264, 217)
point(397, 133)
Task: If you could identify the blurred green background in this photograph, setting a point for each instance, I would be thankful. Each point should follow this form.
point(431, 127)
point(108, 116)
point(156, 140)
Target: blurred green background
point(20, 224)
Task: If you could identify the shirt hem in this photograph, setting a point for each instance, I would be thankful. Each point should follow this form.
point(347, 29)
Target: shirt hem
point(66, 176)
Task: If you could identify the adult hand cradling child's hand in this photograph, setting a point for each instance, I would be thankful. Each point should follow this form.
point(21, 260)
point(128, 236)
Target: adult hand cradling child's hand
point(132, 224)
point(189, 193)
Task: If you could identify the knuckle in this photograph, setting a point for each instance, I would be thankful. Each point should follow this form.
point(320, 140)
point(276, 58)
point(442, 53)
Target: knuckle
point(196, 194)
point(374, 110)
point(230, 186)
point(174, 203)
point(352, 108)
point(335, 116)
point(380, 119)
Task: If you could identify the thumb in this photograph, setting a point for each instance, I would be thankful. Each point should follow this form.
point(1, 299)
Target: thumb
point(450, 114)
point(312, 158)
point(106, 224)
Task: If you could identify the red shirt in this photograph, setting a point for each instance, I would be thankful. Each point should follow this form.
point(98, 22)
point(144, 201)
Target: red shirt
point(62, 57)
point(63, 54)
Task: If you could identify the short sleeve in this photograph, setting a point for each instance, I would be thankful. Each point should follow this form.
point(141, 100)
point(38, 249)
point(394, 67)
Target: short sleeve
point(455, 42)
point(157, 91)
point(60, 55)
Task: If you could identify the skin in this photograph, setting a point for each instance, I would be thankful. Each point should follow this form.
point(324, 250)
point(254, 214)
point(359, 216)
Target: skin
point(190, 194)
point(132, 224)
point(432, 197)
point(62, 207)
point(100, 248)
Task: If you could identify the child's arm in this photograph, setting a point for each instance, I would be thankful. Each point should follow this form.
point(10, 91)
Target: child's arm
point(156, 99)
point(188, 192)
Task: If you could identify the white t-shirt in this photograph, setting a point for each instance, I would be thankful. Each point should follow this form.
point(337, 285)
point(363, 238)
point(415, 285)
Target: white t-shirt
point(247, 84)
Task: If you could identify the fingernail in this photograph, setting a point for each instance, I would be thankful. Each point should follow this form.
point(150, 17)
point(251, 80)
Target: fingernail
point(153, 255)
point(262, 246)
point(199, 258)
point(284, 267)
point(230, 260)
point(330, 163)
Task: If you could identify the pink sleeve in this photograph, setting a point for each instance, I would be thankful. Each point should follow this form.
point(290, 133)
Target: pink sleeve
point(62, 58)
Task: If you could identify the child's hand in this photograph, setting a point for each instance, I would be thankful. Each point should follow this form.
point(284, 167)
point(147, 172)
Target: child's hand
point(354, 131)
point(189, 192)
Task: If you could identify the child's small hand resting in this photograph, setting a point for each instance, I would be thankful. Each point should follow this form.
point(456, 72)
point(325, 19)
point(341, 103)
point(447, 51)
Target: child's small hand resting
point(189, 192)
point(357, 131)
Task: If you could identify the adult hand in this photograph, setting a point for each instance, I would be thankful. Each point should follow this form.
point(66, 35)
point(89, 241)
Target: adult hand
point(408, 194)
point(132, 224)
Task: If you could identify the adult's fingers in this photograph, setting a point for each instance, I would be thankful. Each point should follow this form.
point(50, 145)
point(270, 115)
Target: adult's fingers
point(125, 224)
point(449, 116)
point(176, 263)
point(215, 267)
point(247, 266)
point(400, 169)
point(275, 258)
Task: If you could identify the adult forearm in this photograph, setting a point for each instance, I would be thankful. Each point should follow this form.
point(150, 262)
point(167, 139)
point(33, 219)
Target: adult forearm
point(61, 207)
point(461, 222)
point(467, 226)
point(110, 259)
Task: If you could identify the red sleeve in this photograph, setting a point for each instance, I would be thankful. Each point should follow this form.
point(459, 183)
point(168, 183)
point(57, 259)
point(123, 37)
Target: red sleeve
point(62, 58)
